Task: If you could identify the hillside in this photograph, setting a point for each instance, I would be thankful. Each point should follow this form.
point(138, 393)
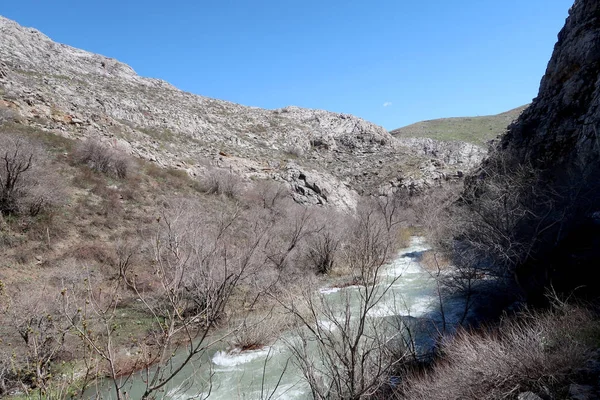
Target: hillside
point(476, 130)
point(77, 94)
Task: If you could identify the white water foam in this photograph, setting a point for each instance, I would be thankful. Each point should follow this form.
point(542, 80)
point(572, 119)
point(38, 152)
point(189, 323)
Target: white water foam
point(416, 308)
point(329, 290)
point(237, 357)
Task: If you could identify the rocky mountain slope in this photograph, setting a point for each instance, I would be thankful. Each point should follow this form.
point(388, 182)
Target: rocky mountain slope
point(326, 157)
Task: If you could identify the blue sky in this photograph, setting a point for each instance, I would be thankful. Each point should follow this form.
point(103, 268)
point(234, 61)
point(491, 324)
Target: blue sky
point(392, 62)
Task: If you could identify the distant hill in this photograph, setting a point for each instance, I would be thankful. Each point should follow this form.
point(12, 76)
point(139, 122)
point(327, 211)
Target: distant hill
point(476, 130)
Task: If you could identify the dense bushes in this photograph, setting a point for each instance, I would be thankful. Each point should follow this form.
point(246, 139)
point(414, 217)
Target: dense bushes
point(535, 352)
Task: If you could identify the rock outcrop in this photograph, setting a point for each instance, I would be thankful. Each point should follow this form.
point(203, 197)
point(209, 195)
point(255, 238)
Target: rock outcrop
point(558, 137)
point(561, 128)
point(465, 155)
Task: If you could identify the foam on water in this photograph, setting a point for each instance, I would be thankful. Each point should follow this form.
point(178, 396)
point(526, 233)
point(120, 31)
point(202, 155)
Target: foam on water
point(237, 357)
point(329, 290)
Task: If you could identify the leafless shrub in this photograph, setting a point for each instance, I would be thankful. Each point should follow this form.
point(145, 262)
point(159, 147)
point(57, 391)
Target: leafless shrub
point(27, 183)
point(294, 151)
point(256, 332)
point(528, 353)
point(323, 245)
point(285, 243)
point(221, 182)
point(102, 158)
point(267, 194)
point(39, 324)
point(322, 251)
point(121, 165)
point(343, 352)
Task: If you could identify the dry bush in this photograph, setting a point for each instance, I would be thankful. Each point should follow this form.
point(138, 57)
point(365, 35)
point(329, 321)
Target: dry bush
point(256, 332)
point(534, 351)
point(267, 194)
point(27, 182)
point(34, 321)
point(102, 158)
point(285, 247)
point(323, 250)
point(323, 246)
point(294, 151)
point(221, 182)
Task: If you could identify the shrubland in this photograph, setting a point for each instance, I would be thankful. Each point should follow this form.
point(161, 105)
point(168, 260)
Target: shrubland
point(112, 264)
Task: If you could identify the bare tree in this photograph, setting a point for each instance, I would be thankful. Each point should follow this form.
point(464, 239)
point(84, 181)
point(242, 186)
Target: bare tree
point(26, 182)
point(348, 354)
point(42, 329)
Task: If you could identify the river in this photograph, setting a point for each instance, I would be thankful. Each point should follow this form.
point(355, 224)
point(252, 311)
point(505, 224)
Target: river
point(270, 372)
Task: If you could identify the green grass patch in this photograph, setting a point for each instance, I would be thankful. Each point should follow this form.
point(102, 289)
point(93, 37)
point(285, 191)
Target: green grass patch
point(476, 130)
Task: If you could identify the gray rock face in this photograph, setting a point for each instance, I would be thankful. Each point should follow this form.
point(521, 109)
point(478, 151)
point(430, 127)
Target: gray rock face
point(78, 94)
point(3, 70)
point(91, 85)
point(457, 153)
point(561, 128)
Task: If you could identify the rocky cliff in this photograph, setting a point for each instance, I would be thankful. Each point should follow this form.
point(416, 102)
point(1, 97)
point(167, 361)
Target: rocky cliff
point(560, 129)
point(557, 138)
point(75, 93)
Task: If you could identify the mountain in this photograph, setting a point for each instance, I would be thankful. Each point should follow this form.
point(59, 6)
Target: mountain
point(476, 130)
point(77, 94)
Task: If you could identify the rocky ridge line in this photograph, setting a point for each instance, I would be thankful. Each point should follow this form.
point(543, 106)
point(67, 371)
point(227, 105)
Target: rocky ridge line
point(78, 94)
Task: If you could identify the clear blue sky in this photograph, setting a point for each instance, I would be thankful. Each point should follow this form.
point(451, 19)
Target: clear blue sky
point(428, 58)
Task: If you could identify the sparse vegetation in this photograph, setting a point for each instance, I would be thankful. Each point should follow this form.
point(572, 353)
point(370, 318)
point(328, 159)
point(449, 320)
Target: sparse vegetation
point(133, 251)
point(476, 130)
